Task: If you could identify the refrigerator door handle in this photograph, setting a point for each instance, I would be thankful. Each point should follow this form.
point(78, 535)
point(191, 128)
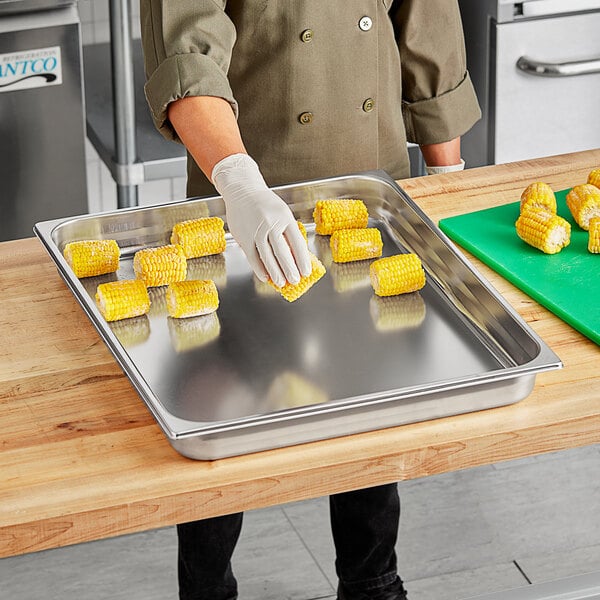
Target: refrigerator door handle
point(566, 69)
point(545, 8)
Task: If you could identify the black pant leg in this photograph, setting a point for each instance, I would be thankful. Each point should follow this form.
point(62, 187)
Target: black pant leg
point(364, 524)
point(204, 560)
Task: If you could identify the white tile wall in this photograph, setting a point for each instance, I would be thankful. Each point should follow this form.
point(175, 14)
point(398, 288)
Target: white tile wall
point(95, 15)
point(102, 196)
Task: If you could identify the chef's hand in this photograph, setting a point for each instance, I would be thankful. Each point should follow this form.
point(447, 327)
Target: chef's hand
point(261, 222)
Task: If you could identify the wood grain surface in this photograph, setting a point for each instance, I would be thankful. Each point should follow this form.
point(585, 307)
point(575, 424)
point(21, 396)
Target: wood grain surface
point(81, 458)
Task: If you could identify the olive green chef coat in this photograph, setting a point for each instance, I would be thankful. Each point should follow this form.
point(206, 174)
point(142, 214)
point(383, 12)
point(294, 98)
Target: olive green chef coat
point(319, 87)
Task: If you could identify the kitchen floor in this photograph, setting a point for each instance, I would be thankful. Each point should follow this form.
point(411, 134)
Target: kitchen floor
point(462, 534)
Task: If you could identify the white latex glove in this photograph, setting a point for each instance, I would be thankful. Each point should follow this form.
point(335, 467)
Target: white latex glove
point(445, 169)
point(261, 222)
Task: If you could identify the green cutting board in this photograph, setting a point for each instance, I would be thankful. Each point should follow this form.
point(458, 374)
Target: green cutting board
point(567, 283)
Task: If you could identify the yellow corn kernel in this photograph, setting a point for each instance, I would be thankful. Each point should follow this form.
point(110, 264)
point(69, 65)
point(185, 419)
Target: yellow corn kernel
point(594, 239)
point(538, 195)
point(347, 277)
point(394, 313)
point(200, 237)
point(302, 230)
point(293, 291)
point(122, 299)
point(345, 213)
point(594, 178)
point(131, 332)
point(192, 298)
point(348, 245)
point(584, 203)
point(189, 334)
point(398, 274)
point(543, 230)
point(290, 390)
point(88, 258)
point(161, 265)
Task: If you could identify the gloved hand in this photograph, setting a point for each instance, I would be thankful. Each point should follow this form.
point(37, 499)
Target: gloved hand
point(445, 168)
point(261, 222)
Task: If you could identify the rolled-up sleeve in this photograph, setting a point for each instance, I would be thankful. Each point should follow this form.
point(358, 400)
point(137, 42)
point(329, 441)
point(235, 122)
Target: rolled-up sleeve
point(187, 46)
point(438, 99)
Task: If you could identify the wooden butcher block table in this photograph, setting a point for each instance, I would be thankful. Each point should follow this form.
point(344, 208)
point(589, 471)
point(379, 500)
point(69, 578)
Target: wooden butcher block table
point(81, 458)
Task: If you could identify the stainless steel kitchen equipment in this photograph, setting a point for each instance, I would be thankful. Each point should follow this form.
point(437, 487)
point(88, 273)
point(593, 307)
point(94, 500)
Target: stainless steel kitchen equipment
point(535, 65)
point(263, 373)
point(118, 118)
point(119, 124)
point(42, 149)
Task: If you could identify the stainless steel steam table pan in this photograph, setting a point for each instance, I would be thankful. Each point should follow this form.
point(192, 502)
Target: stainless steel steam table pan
point(264, 373)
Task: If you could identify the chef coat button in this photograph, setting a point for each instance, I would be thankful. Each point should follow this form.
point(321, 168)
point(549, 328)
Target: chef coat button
point(307, 35)
point(368, 105)
point(365, 23)
point(305, 118)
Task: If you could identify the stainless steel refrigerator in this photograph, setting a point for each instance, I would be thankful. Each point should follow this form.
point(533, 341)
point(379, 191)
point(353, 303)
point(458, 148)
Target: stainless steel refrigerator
point(535, 65)
point(42, 134)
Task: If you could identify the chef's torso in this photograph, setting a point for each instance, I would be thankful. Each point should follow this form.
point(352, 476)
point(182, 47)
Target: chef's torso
point(318, 86)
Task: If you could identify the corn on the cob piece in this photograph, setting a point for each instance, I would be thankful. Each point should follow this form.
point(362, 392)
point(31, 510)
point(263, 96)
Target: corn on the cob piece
point(200, 237)
point(131, 332)
point(394, 313)
point(88, 258)
point(266, 288)
point(345, 213)
point(189, 334)
point(594, 178)
point(293, 291)
point(584, 203)
point(594, 239)
point(348, 245)
point(398, 274)
point(192, 298)
point(91, 284)
point(290, 390)
point(122, 299)
point(302, 230)
point(161, 265)
point(543, 230)
point(538, 195)
point(347, 277)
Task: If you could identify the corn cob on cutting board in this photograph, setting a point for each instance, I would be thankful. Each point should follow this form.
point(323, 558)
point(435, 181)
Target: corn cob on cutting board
point(566, 283)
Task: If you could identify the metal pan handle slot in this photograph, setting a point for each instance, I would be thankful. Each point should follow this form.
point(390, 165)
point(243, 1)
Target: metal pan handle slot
point(566, 69)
